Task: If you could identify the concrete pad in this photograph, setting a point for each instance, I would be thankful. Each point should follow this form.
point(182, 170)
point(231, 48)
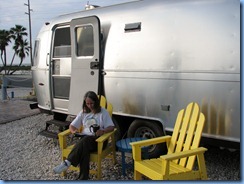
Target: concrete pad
point(11, 110)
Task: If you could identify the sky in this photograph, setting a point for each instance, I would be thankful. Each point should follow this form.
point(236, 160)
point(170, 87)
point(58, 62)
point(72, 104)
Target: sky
point(13, 12)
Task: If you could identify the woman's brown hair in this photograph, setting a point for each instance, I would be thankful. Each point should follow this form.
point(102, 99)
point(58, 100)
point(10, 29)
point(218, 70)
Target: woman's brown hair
point(93, 96)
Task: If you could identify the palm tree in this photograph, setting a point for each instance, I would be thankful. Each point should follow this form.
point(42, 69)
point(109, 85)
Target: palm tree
point(20, 47)
point(5, 39)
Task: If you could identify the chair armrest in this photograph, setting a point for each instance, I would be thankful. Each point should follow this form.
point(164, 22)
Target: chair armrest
point(136, 146)
point(62, 138)
point(64, 133)
point(100, 140)
point(151, 141)
point(183, 154)
point(174, 156)
point(104, 137)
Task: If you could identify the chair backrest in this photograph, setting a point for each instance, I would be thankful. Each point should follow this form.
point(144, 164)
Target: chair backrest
point(105, 104)
point(110, 108)
point(187, 133)
point(103, 101)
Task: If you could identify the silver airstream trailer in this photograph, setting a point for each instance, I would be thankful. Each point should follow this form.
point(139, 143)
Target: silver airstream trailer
point(150, 58)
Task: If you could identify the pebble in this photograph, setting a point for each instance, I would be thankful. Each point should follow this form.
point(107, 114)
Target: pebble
point(26, 155)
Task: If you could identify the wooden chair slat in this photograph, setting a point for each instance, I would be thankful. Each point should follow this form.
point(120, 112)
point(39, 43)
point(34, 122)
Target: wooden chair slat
point(97, 157)
point(183, 149)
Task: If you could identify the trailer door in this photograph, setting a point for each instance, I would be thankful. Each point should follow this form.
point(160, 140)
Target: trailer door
point(85, 67)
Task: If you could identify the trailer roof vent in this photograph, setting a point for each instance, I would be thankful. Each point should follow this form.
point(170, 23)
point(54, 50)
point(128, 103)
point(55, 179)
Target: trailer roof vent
point(90, 6)
point(133, 27)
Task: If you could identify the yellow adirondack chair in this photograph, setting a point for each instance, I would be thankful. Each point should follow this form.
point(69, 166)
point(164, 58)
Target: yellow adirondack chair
point(97, 157)
point(183, 148)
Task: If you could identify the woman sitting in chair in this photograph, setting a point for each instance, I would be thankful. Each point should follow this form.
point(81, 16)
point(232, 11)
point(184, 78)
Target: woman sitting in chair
point(91, 116)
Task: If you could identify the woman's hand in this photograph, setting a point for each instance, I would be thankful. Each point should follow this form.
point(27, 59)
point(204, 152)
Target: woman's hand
point(104, 131)
point(73, 129)
point(100, 133)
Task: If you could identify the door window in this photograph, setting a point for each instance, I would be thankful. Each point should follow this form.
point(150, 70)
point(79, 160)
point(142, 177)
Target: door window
point(62, 44)
point(84, 41)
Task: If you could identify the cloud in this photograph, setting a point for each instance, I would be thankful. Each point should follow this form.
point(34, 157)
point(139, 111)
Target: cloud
point(14, 12)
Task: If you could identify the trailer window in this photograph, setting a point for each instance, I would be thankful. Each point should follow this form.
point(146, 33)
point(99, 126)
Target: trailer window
point(62, 44)
point(36, 53)
point(84, 41)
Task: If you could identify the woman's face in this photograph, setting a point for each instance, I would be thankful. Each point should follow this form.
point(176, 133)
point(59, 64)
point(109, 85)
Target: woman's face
point(89, 103)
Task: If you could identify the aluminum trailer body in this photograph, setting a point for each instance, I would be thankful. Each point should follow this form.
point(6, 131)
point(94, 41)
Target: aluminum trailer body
point(150, 58)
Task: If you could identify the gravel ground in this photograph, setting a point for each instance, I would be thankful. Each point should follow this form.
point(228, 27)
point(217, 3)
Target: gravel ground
point(25, 155)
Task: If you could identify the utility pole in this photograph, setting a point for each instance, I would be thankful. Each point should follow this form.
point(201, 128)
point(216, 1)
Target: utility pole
point(29, 14)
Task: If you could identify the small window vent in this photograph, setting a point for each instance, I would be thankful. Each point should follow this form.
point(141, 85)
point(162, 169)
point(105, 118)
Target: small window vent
point(133, 27)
